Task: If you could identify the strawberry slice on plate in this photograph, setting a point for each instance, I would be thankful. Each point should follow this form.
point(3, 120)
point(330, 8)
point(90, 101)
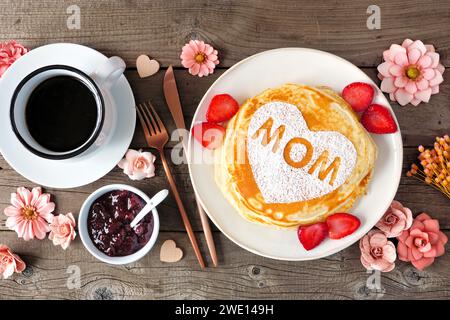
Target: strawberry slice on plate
point(221, 108)
point(210, 135)
point(359, 95)
point(378, 119)
point(341, 225)
point(311, 236)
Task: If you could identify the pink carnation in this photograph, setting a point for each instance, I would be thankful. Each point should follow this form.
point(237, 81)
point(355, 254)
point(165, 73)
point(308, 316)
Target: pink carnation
point(422, 243)
point(62, 230)
point(377, 252)
point(9, 52)
point(410, 73)
point(396, 219)
point(200, 58)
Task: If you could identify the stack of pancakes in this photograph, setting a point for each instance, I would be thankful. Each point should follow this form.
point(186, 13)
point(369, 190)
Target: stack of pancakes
point(323, 110)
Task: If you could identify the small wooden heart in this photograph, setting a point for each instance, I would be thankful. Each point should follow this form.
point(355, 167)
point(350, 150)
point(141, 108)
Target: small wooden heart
point(170, 252)
point(146, 67)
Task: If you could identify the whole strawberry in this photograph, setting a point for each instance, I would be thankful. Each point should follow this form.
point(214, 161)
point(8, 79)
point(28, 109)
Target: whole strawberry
point(378, 119)
point(359, 95)
point(210, 135)
point(222, 108)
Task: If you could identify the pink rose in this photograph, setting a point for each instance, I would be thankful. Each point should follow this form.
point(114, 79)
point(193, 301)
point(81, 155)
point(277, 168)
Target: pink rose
point(62, 230)
point(377, 252)
point(9, 52)
point(9, 262)
point(396, 219)
point(138, 165)
point(422, 243)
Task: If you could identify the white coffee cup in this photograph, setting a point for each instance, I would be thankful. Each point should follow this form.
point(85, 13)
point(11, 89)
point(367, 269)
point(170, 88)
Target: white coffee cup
point(99, 82)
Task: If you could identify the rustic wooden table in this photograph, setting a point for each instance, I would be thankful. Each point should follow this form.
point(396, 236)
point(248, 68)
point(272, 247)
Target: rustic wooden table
point(238, 29)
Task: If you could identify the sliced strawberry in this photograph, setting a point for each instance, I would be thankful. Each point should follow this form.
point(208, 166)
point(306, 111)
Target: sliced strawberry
point(222, 108)
point(210, 135)
point(311, 236)
point(359, 95)
point(378, 119)
point(341, 225)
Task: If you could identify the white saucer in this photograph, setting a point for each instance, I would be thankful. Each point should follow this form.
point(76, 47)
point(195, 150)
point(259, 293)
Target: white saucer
point(271, 69)
point(85, 168)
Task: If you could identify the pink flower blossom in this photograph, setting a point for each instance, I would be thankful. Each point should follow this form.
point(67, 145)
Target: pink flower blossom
point(200, 58)
point(9, 52)
point(9, 262)
point(396, 219)
point(62, 230)
point(377, 252)
point(410, 73)
point(422, 243)
point(138, 165)
point(30, 213)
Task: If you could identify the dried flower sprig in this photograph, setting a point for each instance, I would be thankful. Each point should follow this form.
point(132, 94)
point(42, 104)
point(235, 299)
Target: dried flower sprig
point(435, 165)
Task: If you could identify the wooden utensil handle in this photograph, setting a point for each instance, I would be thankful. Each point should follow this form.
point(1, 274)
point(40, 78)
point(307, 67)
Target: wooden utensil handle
point(208, 233)
point(184, 216)
point(204, 218)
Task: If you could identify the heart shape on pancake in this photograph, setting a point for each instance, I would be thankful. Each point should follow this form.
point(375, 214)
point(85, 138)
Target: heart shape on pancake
point(289, 162)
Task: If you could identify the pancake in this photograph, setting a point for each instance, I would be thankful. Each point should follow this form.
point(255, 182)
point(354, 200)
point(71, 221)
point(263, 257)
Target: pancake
point(294, 155)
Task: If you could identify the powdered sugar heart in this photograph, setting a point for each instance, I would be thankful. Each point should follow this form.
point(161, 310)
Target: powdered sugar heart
point(302, 164)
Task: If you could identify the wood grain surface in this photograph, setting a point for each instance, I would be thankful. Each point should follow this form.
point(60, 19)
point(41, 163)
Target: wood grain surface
point(238, 29)
point(241, 275)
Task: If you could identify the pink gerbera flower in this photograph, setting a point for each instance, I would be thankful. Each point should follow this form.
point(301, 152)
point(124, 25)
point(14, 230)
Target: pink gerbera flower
point(30, 213)
point(410, 73)
point(200, 58)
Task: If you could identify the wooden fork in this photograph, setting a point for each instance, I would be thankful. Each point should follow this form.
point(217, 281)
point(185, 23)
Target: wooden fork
point(156, 136)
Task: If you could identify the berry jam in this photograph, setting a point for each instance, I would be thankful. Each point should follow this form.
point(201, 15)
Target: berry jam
point(109, 223)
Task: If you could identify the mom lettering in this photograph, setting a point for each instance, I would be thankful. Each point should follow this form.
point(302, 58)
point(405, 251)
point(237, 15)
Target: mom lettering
point(320, 163)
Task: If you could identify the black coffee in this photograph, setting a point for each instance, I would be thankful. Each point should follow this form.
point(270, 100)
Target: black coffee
point(61, 113)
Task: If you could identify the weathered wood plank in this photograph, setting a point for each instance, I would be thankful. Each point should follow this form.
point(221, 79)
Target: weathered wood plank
point(241, 275)
point(412, 193)
point(419, 125)
point(237, 28)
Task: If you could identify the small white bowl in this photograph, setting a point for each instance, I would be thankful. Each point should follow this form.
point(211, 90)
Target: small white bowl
point(86, 239)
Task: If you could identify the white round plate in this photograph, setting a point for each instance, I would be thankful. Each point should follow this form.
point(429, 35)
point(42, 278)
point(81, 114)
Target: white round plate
point(87, 167)
point(271, 69)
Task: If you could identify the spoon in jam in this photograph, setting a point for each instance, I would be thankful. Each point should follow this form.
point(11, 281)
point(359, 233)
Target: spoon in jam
point(157, 199)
